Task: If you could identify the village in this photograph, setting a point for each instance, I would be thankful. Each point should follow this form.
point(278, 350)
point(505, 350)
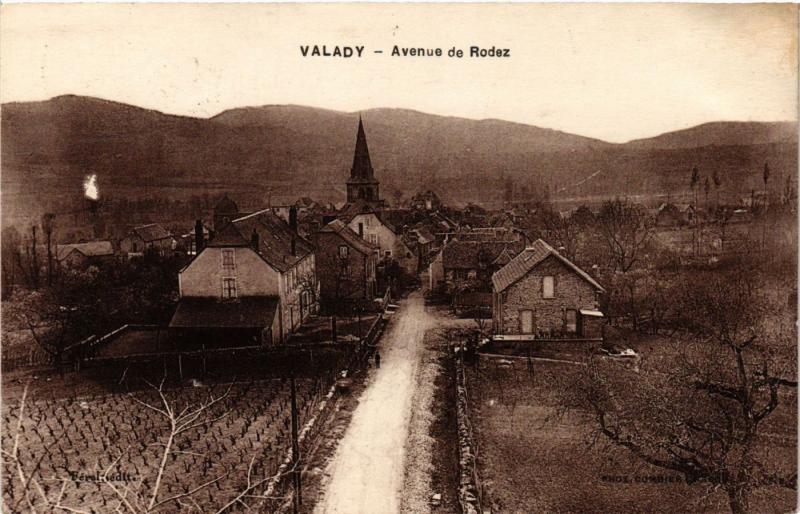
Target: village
point(244, 362)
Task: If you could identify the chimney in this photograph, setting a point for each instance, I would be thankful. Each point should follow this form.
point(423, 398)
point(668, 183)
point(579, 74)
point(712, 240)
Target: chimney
point(361, 230)
point(199, 239)
point(254, 241)
point(293, 218)
point(294, 246)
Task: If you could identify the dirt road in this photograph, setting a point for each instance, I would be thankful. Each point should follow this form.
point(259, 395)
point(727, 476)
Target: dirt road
point(366, 474)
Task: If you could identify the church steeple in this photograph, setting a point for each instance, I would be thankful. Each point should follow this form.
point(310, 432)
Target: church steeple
point(362, 183)
point(362, 166)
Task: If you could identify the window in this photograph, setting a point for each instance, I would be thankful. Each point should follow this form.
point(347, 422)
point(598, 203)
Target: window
point(228, 288)
point(526, 321)
point(571, 321)
point(366, 222)
point(548, 287)
point(227, 259)
point(373, 238)
point(343, 252)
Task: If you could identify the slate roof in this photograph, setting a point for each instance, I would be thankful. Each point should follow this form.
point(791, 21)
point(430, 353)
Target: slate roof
point(90, 249)
point(275, 239)
point(151, 232)
point(246, 312)
point(468, 254)
point(529, 259)
point(350, 237)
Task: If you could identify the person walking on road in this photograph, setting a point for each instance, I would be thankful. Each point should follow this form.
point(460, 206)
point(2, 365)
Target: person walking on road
point(377, 359)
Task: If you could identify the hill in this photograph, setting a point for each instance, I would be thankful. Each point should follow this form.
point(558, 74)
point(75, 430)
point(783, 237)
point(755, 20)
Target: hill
point(722, 134)
point(289, 151)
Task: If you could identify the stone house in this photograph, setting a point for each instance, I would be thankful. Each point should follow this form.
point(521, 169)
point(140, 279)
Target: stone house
point(470, 264)
point(346, 265)
point(256, 278)
point(147, 237)
point(542, 294)
point(370, 227)
point(229, 293)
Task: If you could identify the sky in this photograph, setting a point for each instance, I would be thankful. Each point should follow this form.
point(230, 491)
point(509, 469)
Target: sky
point(610, 71)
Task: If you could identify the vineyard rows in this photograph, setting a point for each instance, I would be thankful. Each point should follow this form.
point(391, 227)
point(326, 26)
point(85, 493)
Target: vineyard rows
point(66, 445)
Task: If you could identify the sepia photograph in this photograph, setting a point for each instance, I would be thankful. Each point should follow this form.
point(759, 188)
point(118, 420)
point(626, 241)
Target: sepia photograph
point(393, 258)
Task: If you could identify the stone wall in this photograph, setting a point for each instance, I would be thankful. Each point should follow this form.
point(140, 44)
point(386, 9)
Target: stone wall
point(469, 488)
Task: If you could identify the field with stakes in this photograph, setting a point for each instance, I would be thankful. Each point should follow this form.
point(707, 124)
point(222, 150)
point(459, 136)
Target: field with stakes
point(211, 448)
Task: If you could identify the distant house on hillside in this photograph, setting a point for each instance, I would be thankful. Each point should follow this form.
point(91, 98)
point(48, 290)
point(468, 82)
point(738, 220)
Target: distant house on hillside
point(80, 255)
point(668, 214)
point(542, 294)
point(346, 265)
point(147, 237)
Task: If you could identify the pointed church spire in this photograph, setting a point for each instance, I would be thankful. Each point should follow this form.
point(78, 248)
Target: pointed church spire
point(362, 166)
point(362, 184)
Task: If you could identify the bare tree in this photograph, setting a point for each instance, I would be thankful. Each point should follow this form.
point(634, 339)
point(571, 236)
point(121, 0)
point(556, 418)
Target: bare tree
point(32, 493)
point(722, 217)
point(694, 182)
point(704, 417)
point(48, 225)
point(34, 259)
point(10, 259)
point(59, 316)
point(626, 230)
point(563, 232)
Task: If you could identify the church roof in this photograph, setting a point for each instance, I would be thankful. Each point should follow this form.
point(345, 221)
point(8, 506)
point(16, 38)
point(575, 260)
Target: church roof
point(362, 165)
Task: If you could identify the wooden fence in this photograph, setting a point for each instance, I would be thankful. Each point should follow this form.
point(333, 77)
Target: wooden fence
point(32, 356)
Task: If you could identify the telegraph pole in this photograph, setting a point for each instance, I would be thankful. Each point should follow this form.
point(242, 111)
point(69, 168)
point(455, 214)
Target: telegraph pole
point(295, 453)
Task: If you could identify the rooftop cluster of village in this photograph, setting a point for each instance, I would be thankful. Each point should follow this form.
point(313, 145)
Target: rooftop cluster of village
point(257, 275)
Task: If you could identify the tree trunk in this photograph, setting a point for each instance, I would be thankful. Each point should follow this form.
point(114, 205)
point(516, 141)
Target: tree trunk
point(738, 498)
point(34, 260)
